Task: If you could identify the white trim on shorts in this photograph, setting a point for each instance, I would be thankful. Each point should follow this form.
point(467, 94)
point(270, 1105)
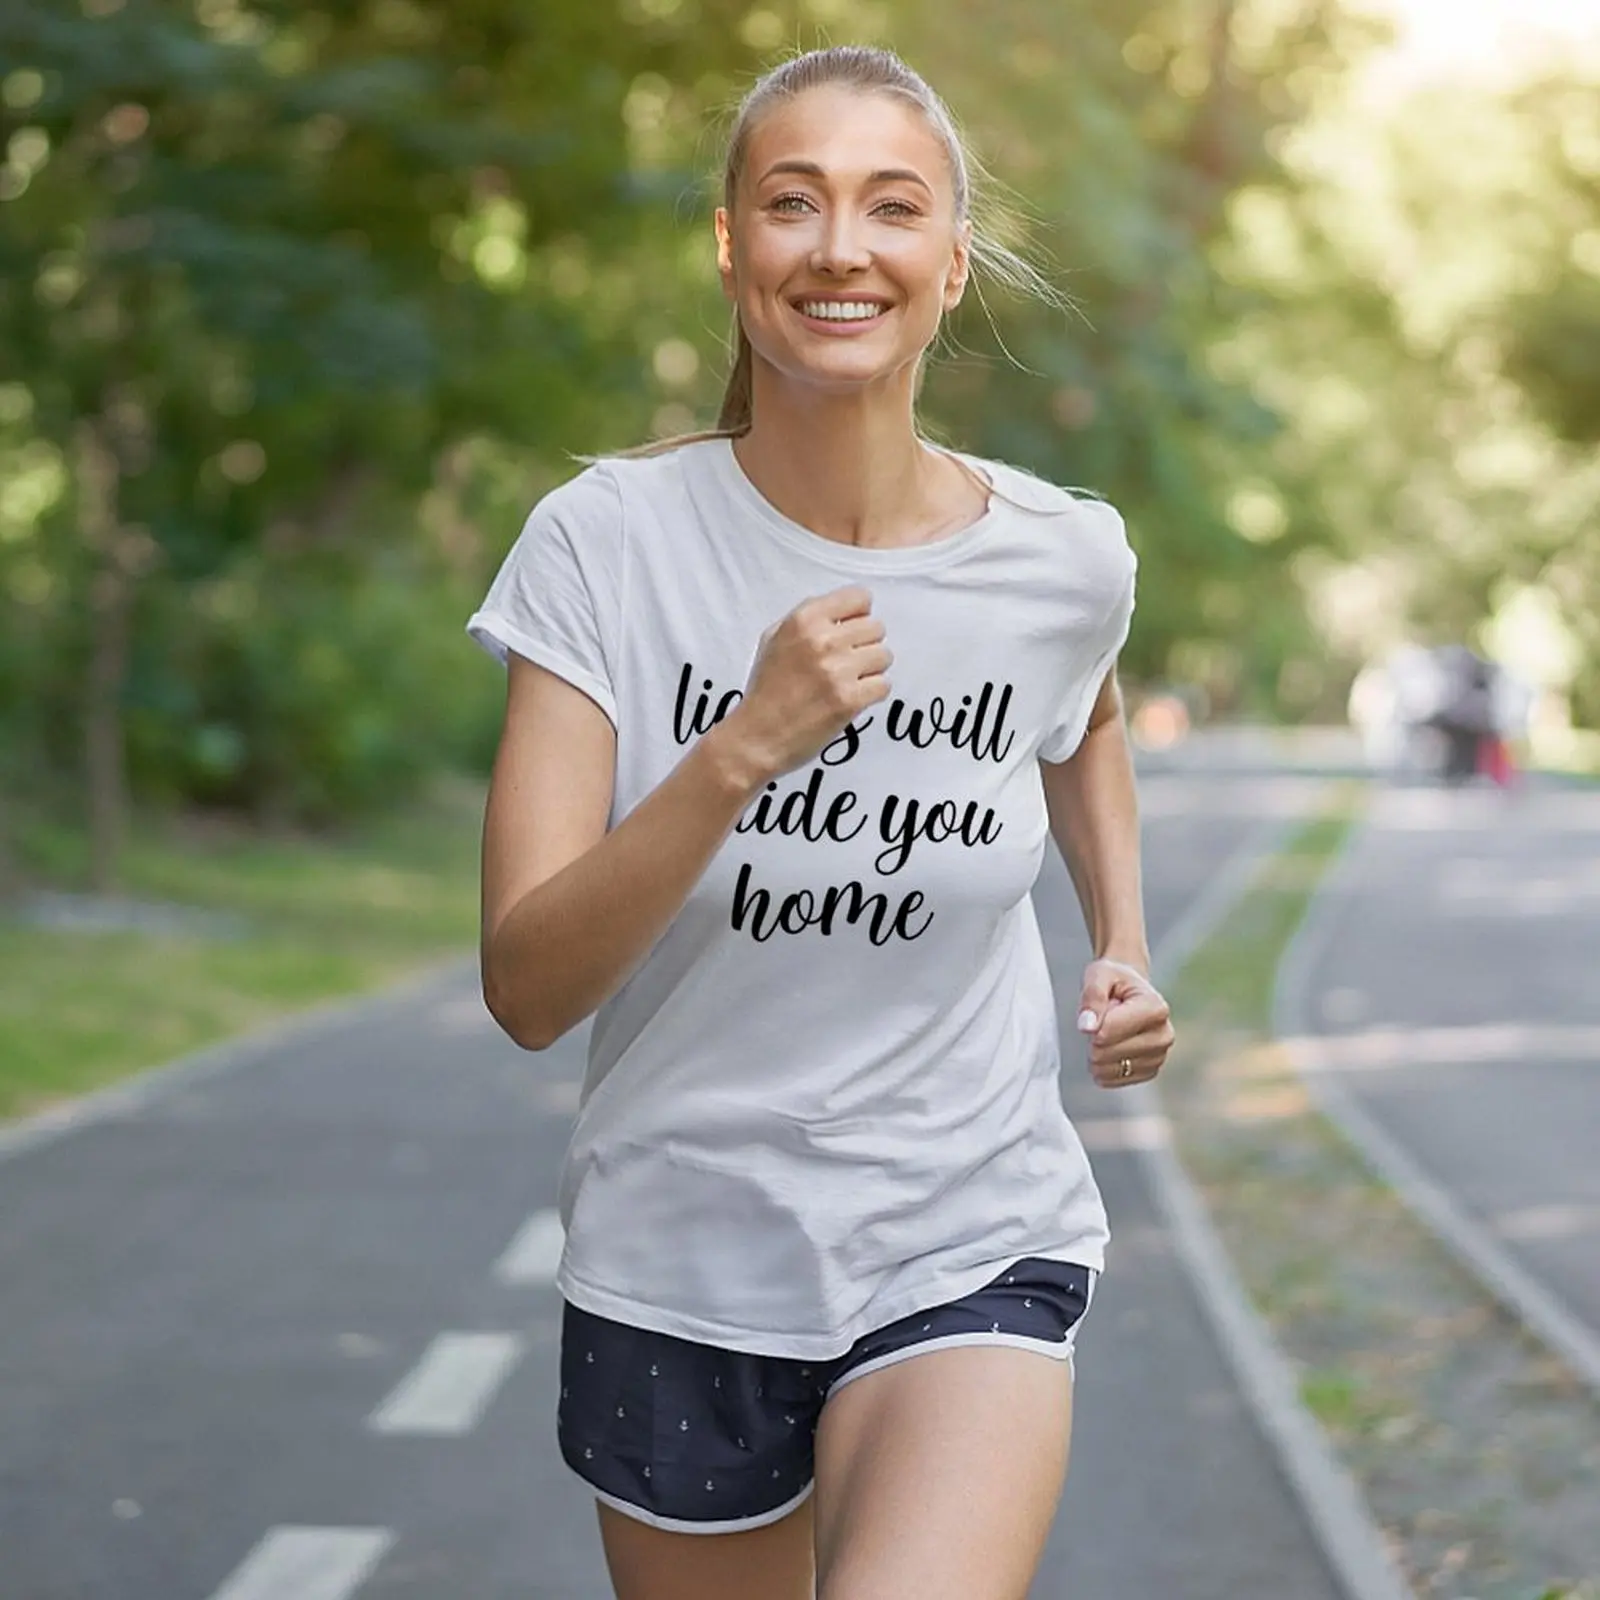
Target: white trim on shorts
point(683, 1525)
point(950, 1341)
point(1061, 1350)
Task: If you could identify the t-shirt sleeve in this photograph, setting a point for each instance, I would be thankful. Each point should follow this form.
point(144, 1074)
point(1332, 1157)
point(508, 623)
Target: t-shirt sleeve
point(1098, 647)
point(557, 598)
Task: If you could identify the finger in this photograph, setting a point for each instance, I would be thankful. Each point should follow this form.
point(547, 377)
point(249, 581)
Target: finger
point(856, 631)
point(1110, 1074)
point(1148, 1054)
point(872, 661)
point(1153, 1044)
point(839, 605)
point(1098, 993)
point(1127, 1020)
point(1142, 1061)
point(1119, 1082)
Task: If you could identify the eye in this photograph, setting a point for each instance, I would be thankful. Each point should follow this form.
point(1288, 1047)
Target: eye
point(900, 208)
point(783, 202)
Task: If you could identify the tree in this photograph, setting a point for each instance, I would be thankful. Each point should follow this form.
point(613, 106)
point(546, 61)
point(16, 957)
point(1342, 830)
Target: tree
point(265, 267)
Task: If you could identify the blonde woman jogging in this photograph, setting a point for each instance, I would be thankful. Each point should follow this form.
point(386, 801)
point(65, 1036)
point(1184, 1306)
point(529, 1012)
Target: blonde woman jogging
point(792, 709)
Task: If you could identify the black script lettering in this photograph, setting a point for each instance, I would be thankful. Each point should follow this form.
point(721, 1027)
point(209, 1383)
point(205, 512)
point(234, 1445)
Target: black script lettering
point(798, 911)
point(986, 745)
point(851, 736)
point(900, 829)
point(977, 729)
point(912, 728)
point(703, 717)
point(911, 903)
point(800, 812)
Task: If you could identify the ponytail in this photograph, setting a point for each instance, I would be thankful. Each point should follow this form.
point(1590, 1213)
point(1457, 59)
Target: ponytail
point(737, 399)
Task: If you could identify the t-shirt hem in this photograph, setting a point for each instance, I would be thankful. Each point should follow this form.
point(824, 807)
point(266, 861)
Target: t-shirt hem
point(601, 1302)
point(497, 635)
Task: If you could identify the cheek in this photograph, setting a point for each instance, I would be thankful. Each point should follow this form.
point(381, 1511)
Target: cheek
point(919, 265)
point(767, 259)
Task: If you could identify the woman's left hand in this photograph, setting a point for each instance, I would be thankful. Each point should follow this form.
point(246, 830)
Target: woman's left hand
point(1128, 1022)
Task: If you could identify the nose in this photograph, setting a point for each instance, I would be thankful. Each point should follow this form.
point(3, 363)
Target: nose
point(840, 247)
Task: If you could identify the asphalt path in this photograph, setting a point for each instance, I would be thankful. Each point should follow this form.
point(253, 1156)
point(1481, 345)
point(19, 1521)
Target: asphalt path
point(1454, 993)
point(287, 1330)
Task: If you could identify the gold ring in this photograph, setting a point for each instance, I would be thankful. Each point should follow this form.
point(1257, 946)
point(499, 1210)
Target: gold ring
point(1127, 1067)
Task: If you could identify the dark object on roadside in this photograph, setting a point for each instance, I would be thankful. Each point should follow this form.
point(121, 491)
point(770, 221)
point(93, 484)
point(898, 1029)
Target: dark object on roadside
point(1466, 716)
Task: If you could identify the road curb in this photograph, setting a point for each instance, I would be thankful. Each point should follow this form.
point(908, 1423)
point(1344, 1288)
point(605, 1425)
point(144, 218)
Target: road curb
point(1332, 1501)
point(129, 1095)
point(1542, 1313)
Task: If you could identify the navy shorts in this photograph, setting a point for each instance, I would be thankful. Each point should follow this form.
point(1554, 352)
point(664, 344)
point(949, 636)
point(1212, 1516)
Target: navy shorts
point(699, 1439)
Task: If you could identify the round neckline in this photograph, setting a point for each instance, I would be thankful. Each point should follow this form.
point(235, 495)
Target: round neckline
point(854, 557)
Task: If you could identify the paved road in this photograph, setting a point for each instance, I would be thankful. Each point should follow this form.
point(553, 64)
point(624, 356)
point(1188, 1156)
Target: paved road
point(286, 1332)
point(1457, 993)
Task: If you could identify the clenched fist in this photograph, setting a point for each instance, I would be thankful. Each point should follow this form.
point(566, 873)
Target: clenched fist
point(815, 672)
point(1129, 1024)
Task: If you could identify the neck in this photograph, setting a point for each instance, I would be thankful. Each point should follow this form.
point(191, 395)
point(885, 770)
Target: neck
point(847, 466)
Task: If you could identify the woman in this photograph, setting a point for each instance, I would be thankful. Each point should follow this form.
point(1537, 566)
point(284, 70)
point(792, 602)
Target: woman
point(821, 1129)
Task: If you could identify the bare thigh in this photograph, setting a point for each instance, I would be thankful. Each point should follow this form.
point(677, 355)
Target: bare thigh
point(939, 1476)
point(770, 1563)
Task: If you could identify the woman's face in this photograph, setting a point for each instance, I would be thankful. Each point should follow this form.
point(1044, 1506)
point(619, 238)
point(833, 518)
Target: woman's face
point(843, 251)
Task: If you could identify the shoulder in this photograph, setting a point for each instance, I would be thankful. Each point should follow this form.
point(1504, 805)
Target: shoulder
point(1084, 517)
point(650, 473)
point(590, 496)
point(612, 488)
point(585, 514)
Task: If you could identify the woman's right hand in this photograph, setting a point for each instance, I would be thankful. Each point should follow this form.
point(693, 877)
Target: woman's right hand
point(815, 672)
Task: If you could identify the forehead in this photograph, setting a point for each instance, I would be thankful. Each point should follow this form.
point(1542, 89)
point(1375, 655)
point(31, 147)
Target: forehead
point(848, 133)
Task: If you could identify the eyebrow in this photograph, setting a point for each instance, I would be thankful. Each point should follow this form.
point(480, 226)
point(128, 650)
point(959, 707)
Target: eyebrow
point(809, 169)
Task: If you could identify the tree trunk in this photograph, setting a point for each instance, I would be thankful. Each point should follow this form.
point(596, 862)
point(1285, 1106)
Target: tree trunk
point(119, 556)
point(8, 868)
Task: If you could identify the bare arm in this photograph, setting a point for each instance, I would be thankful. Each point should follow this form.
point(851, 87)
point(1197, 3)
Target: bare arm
point(570, 910)
point(1094, 818)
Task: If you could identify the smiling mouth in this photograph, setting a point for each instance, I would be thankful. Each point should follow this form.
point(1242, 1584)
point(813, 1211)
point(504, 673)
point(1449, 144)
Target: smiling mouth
point(841, 311)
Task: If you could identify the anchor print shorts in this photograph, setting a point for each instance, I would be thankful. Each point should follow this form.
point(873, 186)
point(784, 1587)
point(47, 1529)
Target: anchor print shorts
point(698, 1439)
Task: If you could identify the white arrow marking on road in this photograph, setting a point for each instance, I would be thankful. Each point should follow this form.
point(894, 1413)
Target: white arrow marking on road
point(532, 1257)
point(449, 1388)
point(307, 1564)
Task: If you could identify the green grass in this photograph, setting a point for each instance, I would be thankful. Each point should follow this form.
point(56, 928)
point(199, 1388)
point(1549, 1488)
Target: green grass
point(1474, 1447)
point(325, 917)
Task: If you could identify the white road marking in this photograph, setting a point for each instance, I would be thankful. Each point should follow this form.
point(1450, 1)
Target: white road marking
point(450, 1387)
point(307, 1564)
point(532, 1257)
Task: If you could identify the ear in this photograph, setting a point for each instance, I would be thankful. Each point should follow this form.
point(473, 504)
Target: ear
point(960, 266)
point(724, 229)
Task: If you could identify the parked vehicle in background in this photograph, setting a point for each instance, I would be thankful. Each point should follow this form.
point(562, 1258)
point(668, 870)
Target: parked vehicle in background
point(1445, 713)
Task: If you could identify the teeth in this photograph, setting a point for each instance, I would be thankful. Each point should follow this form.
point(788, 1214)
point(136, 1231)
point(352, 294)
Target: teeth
point(841, 310)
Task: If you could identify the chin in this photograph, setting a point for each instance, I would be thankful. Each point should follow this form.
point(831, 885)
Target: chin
point(849, 371)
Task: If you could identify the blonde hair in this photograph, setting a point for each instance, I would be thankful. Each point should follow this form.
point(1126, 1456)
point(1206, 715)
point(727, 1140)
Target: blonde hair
point(868, 70)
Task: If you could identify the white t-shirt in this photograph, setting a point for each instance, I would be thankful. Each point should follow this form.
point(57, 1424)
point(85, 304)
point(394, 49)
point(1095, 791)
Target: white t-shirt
point(830, 1095)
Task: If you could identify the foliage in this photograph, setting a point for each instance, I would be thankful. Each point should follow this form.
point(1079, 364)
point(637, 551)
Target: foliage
point(1431, 351)
point(302, 305)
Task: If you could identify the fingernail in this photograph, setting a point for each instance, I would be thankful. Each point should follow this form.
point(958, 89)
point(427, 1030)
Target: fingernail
point(1087, 1022)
